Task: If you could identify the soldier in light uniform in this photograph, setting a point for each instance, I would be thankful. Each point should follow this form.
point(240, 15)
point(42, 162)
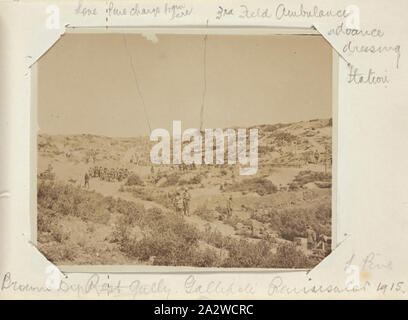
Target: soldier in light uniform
point(186, 202)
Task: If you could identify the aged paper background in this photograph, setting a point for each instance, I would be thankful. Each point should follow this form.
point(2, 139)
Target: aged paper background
point(370, 261)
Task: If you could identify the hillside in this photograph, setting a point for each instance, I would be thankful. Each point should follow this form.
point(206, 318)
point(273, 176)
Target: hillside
point(122, 217)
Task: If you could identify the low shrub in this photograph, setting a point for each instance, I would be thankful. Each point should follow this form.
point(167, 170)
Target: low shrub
point(170, 241)
point(134, 180)
point(194, 180)
point(57, 253)
point(213, 237)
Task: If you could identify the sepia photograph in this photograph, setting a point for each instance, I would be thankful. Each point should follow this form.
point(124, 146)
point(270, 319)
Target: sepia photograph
point(197, 150)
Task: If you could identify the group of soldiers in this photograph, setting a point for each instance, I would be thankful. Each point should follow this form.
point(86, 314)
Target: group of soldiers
point(181, 201)
point(108, 174)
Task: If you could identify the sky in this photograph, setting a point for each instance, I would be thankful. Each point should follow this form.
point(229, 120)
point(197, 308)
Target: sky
point(118, 85)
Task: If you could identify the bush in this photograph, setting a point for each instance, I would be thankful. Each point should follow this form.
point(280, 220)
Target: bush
point(284, 137)
point(221, 210)
point(58, 233)
point(244, 254)
point(304, 177)
point(207, 258)
point(213, 237)
point(194, 180)
point(273, 127)
point(162, 238)
point(47, 175)
point(132, 211)
point(45, 219)
point(120, 232)
point(292, 222)
point(66, 199)
point(150, 194)
point(58, 253)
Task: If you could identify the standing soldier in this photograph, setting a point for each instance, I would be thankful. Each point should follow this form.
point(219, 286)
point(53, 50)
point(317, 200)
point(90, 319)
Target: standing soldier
point(86, 180)
point(316, 156)
point(186, 202)
point(178, 201)
point(229, 206)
